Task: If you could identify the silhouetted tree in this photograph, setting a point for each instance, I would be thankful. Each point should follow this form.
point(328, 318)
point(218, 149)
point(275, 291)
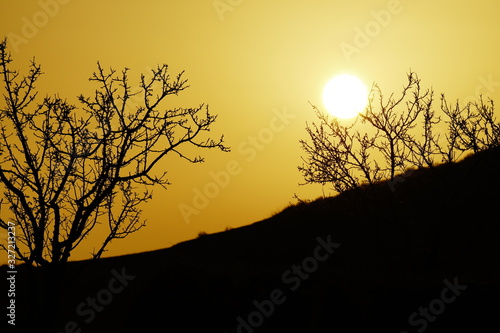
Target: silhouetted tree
point(65, 170)
point(404, 132)
point(394, 119)
point(338, 155)
point(471, 128)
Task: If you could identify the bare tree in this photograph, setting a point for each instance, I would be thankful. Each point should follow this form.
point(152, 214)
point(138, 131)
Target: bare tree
point(66, 170)
point(403, 131)
point(343, 155)
point(470, 128)
point(338, 155)
point(395, 119)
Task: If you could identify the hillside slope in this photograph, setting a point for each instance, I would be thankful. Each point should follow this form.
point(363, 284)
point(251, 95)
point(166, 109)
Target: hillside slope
point(419, 254)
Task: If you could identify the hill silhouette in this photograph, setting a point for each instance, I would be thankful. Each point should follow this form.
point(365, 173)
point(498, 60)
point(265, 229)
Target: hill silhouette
point(416, 254)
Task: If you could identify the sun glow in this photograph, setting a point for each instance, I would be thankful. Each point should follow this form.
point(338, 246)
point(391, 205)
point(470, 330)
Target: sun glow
point(345, 96)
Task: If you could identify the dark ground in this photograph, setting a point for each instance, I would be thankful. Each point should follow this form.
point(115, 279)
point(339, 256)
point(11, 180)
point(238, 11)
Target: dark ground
point(395, 254)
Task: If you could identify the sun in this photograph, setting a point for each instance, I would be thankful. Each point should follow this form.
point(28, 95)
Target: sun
point(345, 96)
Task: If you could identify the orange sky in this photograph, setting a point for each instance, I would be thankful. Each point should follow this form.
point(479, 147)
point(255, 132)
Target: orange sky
point(257, 64)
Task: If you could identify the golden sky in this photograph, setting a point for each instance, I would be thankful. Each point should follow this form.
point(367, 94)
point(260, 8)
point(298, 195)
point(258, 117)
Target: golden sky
point(257, 64)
